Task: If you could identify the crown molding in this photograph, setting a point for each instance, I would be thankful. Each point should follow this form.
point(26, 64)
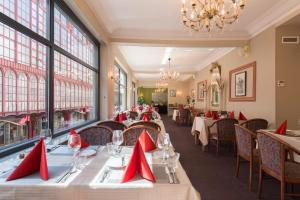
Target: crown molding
point(280, 12)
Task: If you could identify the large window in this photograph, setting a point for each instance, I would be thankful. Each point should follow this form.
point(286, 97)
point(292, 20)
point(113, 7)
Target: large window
point(49, 80)
point(120, 88)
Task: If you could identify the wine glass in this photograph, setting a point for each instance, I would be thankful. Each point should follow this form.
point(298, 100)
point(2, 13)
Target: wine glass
point(117, 140)
point(164, 144)
point(46, 135)
point(74, 143)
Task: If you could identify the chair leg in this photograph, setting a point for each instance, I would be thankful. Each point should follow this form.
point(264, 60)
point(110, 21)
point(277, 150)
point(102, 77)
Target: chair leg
point(260, 182)
point(282, 190)
point(250, 175)
point(234, 148)
point(218, 146)
point(237, 166)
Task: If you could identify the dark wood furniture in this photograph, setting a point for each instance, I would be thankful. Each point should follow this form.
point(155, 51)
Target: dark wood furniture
point(133, 114)
point(274, 162)
point(96, 135)
point(113, 125)
point(255, 124)
point(245, 150)
point(132, 134)
point(225, 132)
point(146, 123)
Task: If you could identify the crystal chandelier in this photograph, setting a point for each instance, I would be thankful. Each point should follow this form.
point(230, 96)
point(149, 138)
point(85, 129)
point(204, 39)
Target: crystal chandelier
point(208, 14)
point(169, 74)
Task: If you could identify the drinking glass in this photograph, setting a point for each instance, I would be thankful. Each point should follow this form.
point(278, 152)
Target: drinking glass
point(46, 135)
point(164, 144)
point(117, 140)
point(74, 143)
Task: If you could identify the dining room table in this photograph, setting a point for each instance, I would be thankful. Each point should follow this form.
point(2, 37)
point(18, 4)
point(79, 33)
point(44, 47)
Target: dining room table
point(291, 139)
point(200, 130)
point(99, 178)
point(175, 114)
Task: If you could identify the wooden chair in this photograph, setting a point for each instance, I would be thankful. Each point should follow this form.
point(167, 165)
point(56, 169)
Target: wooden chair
point(245, 149)
point(255, 124)
point(133, 114)
point(96, 135)
point(273, 161)
point(225, 132)
point(113, 125)
point(132, 134)
point(146, 123)
point(146, 113)
point(183, 117)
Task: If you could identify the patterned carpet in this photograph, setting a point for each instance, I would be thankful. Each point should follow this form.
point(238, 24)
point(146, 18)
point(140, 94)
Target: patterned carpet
point(214, 176)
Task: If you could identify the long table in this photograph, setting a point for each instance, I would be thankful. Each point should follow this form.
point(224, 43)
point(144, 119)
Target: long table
point(86, 184)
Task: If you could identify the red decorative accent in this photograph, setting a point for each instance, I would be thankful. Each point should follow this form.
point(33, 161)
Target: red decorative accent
point(138, 163)
point(35, 161)
point(282, 128)
point(146, 141)
point(242, 116)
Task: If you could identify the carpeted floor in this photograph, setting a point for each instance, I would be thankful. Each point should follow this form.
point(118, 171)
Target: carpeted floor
point(214, 176)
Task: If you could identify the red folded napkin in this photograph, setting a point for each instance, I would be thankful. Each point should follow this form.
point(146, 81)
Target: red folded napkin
point(35, 161)
point(215, 116)
point(83, 143)
point(241, 116)
point(231, 115)
point(146, 118)
point(117, 119)
point(137, 163)
point(208, 114)
point(146, 141)
point(282, 128)
point(124, 117)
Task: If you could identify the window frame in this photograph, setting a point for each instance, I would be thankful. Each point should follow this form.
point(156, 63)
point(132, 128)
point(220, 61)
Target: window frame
point(49, 42)
point(118, 82)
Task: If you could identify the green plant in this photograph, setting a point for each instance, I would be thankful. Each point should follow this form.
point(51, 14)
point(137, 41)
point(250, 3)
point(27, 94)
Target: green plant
point(141, 100)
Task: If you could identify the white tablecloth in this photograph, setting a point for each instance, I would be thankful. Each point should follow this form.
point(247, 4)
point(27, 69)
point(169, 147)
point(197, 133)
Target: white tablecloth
point(290, 140)
point(201, 124)
point(86, 185)
point(175, 114)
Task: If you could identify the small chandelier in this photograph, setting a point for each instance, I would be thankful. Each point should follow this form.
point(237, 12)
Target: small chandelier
point(208, 14)
point(169, 75)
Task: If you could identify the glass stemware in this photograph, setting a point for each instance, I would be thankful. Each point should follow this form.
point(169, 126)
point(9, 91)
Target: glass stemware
point(164, 143)
point(74, 143)
point(46, 135)
point(117, 140)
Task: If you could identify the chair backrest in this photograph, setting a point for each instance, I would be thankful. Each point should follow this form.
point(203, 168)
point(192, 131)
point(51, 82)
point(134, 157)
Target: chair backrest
point(146, 123)
point(255, 124)
point(244, 141)
point(133, 114)
point(146, 113)
point(96, 135)
point(113, 125)
point(225, 127)
point(271, 154)
point(132, 134)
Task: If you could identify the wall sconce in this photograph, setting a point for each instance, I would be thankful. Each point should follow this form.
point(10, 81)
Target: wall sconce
point(112, 76)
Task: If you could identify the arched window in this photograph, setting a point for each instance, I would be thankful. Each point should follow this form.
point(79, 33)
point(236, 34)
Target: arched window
point(72, 96)
point(42, 94)
point(57, 94)
point(1, 76)
point(22, 92)
point(68, 96)
point(63, 94)
point(33, 97)
point(76, 96)
point(10, 91)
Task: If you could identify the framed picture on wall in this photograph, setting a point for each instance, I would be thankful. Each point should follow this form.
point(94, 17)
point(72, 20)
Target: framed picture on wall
point(242, 83)
point(193, 93)
point(201, 88)
point(172, 93)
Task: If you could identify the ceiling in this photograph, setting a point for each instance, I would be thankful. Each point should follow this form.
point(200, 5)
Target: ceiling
point(146, 62)
point(157, 19)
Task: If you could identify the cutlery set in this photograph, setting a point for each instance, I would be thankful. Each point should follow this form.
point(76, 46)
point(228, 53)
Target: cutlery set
point(171, 175)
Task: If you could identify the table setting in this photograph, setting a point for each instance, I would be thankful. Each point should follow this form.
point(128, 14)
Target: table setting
point(75, 172)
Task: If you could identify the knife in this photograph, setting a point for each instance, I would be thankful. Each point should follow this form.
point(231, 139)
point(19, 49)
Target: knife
point(171, 181)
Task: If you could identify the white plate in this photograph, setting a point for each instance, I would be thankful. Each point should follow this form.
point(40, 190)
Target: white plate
point(88, 153)
point(115, 163)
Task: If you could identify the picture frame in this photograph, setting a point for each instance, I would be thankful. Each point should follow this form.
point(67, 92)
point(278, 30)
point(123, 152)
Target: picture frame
point(193, 93)
point(172, 93)
point(201, 89)
point(242, 83)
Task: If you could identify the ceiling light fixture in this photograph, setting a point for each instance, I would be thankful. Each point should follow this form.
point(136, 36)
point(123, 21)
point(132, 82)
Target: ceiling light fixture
point(169, 74)
point(208, 14)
